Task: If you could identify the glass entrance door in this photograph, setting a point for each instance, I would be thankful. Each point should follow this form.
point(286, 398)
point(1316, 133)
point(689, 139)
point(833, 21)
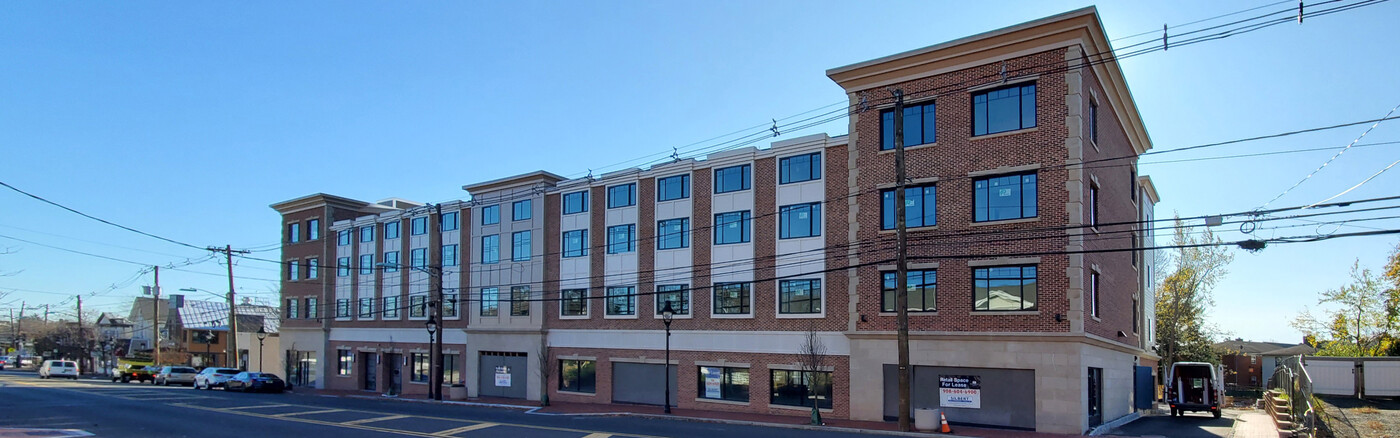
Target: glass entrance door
point(371, 371)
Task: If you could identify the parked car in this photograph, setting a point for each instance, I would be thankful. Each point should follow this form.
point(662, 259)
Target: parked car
point(212, 378)
point(246, 381)
point(177, 375)
point(1194, 387)
point(4, 360)
point(58, 368)
point(128, 372)
point(27, 362)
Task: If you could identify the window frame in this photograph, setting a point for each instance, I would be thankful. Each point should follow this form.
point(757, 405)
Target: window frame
point(746, 296)
point(664, 238)
point(491, 213)
point(927, 109)
point(420, 367)
point(667, 289)
point(313, 229)
point(1094, 301)
point(389, 307)
point(519, 239)
point(661, 190)
point(490, 302)
point(631, 193)
point(449, 221)
point(417, 258)
point(313, 268)
point(887, 304)
point(805, 379)
point(344, 362)
point(342, 238)
point(888, 221)
point(343, 267)
point(418, 306)
point(610, 298)
point(392, 230)
point(726, 379)
point(418, 226)
point(366, 308)
point(1021, 277)
point(294, 232)
point(581, 251)
point(580, 301)
point(366, 268)
point(342, 308)
point(494, 249)
point(745, 178)
point(450, 255)
point(813, 164)
point(391, 261)
point(814, 220)
point(367, 234)
point(815, 297)
point(449, 303)
point(745, 227)
point(522, 210)
point(520, 300)
point(579, 366)
point(1021, 207)
point(581, 196)
point(1020, 109)
point(1094, 204)
point(630, 245)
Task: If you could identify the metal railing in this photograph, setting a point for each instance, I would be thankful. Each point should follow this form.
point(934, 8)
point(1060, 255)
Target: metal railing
point(1291, 379)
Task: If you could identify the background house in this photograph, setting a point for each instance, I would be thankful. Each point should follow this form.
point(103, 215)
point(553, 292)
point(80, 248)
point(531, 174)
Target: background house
point(1245, 361)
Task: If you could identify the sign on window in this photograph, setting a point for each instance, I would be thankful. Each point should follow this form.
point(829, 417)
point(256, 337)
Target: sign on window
point(960, 391)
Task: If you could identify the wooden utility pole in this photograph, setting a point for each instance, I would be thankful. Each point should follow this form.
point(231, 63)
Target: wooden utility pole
point(435, 380)
point(232, 350)
point(901, 276)
point(82, 335)
point(155, 318)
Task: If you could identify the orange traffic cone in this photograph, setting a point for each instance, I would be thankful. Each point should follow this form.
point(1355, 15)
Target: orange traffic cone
point(944, 419)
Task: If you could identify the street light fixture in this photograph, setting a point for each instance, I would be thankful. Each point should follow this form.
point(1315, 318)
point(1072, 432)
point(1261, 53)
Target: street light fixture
point(667, 313)
point(262, 335)
point(432, 325)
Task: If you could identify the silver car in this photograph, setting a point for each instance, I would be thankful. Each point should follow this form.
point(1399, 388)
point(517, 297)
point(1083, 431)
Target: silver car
point(175, 375)
point(212, 378)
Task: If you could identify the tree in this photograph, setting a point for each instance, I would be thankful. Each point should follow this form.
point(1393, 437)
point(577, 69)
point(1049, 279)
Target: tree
point(1184, 295)
point(812, 356)
point(545, 372)
point(1360, 319)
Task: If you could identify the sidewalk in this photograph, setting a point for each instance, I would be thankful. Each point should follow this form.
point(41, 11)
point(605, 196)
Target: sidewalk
point(1255, 425)
point(785, 421)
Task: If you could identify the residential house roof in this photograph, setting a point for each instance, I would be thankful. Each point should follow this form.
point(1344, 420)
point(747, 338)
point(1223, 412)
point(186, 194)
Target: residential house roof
point(143, 309)
point(213, 315)
point(1300, 349)
point(1238, 345)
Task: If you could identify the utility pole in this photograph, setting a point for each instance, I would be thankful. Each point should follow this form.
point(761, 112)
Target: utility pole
point(436, 378)
point(232, 350)
point(46, 314)
point(901, 280)
point(155, 320)
point(82, 336)
point(19, 327)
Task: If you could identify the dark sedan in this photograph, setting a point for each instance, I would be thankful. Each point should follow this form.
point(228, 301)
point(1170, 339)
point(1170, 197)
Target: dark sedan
point(259, 382)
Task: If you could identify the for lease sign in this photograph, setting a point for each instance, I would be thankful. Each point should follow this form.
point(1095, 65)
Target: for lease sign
point(960, 391)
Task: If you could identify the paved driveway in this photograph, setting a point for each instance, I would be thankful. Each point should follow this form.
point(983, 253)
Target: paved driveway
point(1193, 425)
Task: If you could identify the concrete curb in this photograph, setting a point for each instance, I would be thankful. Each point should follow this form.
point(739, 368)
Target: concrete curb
point(1109, 426)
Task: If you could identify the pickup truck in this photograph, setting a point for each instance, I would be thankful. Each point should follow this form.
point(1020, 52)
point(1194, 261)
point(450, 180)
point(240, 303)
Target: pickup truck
point(128, 373)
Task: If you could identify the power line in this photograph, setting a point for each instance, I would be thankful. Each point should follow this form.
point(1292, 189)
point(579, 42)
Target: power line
point(42, 199)
point(1329, 160)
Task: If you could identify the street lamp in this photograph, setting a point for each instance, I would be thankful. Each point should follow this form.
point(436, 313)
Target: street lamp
point(666, 314)
point(433, 368)
point(262, 335)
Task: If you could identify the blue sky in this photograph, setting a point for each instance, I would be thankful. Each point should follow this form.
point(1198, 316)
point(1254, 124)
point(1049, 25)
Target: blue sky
point(188, 120)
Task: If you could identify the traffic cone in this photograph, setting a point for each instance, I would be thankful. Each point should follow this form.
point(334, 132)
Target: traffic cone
point(944, 419)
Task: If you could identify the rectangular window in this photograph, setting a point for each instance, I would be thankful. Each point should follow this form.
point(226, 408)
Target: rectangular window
point(922, 287)
point(1135, 315)
point(293, 270)
point(732, 227)
point(520, 301)
point(490, 301)
point(622, 195)
point(1004, 197)
point(344, 362)
point(731, 299)
point(448, 221)
point(622, 238)
point(573, 302)
point(1094, 121)
point(391, 230)
point(621, 301)
point(491, 249)
point(920, 207)
point(678, 295)
point(521, 210)
point(576, 202)
point(366, 308)
point(417, 306)
point(366, 264)
point(796, 297)
point(1094, 294)
point(313, 268)
point(577, 376)
point(673, 233)
point(342, 308)
point(449, 255)
point(576, 243)
point(801, 220)
point(293, 233)
point(1004, 288)
point(342, 237)
point(672, 188)
point(418, 226)
point(292, 308)
point(422, 365)
point(801, 388)
point(418, 258)
point(919, 126)
point(391, 307)
point(342, 266)
point(451, 373)
point(391, 261)
point(449, 304)
point(367, 233)
point(1093, 205)
point(313, 229)
point(724, 383)
point(800, 168)
point(732, 179)
point(491, 215)
point(313, 309)
point(1003, 109)
point(520, 247)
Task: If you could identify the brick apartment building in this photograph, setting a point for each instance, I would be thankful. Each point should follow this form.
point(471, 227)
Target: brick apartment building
point(1021, 276)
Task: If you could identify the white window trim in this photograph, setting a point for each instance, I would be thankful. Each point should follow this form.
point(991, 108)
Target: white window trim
point(715, 289)
point(689, 302)
point(778, 303)
point(373, 303)
point(778, 166)
point(382, 307)
point(408, 307)
point(635, 302)
point(587, 306)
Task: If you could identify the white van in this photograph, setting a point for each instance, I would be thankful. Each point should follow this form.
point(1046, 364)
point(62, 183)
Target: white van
point(58, 368)
point(1194, 387)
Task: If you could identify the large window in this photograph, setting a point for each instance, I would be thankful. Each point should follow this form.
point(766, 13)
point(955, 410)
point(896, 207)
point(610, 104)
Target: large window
point(576, 202)
point(313, 268)
point(313, 308)
point(418, 226)
point(1094, 121)
point(293, 233)
point(344, 362)
point(391, 230)
point(800, 168)
point(449, 255)
point(451, 372)
point(342, 308)
point(801, 220)
point(449, 303)
point(731, 299)
point(342, 267)
point(520, 301)
point(1004, 288)
point(920, 207)
point(801, 388)
point(491, 215)
point(1004, 197)
point(1094, 295)
point(448, 221)
point(622, 195)
point(391, 307)
point(342, 237)
point(621, 301)
point(724, 383)
point(732, 179)
point(732, 227)
point(293, 270)
point(678, 295)
point(673, 233)
point(422, 365)
point(418, 258)
point(490, 301)
point(622, 238)
point(491, 249)
point(292, 304)
point(573, 302)
point(672, 188)
point(520, 247)
point(576, 243)
point(919, 126)
point(366, 308)
point(417, 306)
point(366, 264)
point(313, 229)
point(1093, 204)
point(923, 291)
point(1003, 109)
point(577, 376)
point(367, 233)
point(522, 210)
point(796, 297)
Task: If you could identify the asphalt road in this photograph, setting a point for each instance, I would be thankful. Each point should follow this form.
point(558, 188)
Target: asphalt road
point(110, 409)
point(1191, 425)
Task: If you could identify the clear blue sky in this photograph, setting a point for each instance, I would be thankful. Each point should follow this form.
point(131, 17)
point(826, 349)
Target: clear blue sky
point(188, 120)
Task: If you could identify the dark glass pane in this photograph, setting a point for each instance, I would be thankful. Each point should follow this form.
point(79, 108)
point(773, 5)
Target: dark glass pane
point(979, 295)
point(979, 115)
point(930, 135)
point(980, 201)
point(887, 209)
point(1028, 196)
point(913, 126)
point(930, 207)
point(1028, 106)
point(887, 130)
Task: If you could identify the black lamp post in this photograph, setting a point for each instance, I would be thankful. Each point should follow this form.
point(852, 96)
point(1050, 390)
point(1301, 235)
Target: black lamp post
point(262, 335)
point(432, 369)
point(666, 314)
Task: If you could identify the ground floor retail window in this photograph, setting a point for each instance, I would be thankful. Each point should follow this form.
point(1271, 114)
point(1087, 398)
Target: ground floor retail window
point(451, 372)
point(577, 376)
point(345, 361)
point(801, 388)
point(422, 363)
point(724, 383)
